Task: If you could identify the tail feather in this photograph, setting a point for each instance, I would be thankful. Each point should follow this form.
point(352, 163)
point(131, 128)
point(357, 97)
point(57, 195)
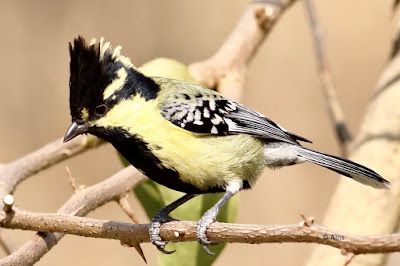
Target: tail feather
point(346, 167)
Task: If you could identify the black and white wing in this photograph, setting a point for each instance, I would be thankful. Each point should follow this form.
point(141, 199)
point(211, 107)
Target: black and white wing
point(220, 116)
point(247, 121)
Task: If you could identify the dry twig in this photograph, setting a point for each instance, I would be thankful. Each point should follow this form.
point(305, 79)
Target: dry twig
point(72, 180)
point(124, 203)
point(327, 85)
point(306, 221)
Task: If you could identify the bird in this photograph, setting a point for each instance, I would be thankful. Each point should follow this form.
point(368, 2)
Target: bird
point(182, 135)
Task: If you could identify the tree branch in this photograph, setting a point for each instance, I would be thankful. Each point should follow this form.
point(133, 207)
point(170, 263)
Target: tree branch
point(80, 203)
point(11, 174)
point(225, 71)
point(132, 234)
point(327, 85)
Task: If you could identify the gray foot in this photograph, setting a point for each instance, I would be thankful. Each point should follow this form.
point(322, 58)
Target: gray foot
point(202, 226)
point(154, 231)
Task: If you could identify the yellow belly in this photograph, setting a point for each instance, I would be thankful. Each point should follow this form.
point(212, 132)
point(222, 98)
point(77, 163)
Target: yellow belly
point(210, 161)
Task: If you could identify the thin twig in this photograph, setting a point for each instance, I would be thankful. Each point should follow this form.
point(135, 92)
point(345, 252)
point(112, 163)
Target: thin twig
point(327, 85)
point(124, 203)
point(182, 231)
point(306, 221)
point(74, 183)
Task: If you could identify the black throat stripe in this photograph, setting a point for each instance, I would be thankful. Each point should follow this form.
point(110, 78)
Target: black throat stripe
point(137, 153)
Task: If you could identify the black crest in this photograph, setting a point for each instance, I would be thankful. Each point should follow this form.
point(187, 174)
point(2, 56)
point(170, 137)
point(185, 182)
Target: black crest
point(93, 68)
point(90, 75)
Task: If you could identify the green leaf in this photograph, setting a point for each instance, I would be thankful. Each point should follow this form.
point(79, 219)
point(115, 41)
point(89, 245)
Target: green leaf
point(154, 196)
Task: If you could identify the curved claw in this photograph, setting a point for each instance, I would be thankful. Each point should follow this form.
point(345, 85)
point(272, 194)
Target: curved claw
point(157, 241)
point(162, 249)
point(207, 250)
point(202, 226)
point(205, 243)
point(154, 232)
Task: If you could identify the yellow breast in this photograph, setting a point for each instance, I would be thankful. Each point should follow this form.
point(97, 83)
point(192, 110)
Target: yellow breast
point(201, 160)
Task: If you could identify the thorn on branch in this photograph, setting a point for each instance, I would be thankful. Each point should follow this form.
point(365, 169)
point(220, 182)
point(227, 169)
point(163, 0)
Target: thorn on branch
point(8, 201)
point(72, 180)
point(124, 203)
point(307, 222)
point(139, 250)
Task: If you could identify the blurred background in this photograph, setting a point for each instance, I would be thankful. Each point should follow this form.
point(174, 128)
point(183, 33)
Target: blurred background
point(282, 84)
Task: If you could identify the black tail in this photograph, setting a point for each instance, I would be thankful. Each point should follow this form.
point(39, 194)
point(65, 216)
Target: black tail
point(346, 167)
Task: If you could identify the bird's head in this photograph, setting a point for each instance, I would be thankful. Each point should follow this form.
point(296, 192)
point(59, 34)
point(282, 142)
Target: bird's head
point(100, 78)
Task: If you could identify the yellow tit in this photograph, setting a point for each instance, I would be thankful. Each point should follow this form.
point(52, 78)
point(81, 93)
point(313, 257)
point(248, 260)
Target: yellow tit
point(181, 135)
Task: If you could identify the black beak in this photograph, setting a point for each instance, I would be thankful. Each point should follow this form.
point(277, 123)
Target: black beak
point(75, 130)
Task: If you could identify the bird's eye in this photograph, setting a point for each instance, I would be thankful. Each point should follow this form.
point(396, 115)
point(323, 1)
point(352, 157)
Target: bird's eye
point(101, 109)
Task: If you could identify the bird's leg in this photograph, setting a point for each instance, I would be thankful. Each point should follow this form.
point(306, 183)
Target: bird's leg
point(161, 217)
point(210, 216)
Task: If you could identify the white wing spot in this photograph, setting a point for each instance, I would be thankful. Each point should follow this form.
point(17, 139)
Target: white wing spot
point(212, 105)
point(206, 113)
point(197, 122)
point(197, 115)
point(214, 130)
point(215, 121)
point(189, 117)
